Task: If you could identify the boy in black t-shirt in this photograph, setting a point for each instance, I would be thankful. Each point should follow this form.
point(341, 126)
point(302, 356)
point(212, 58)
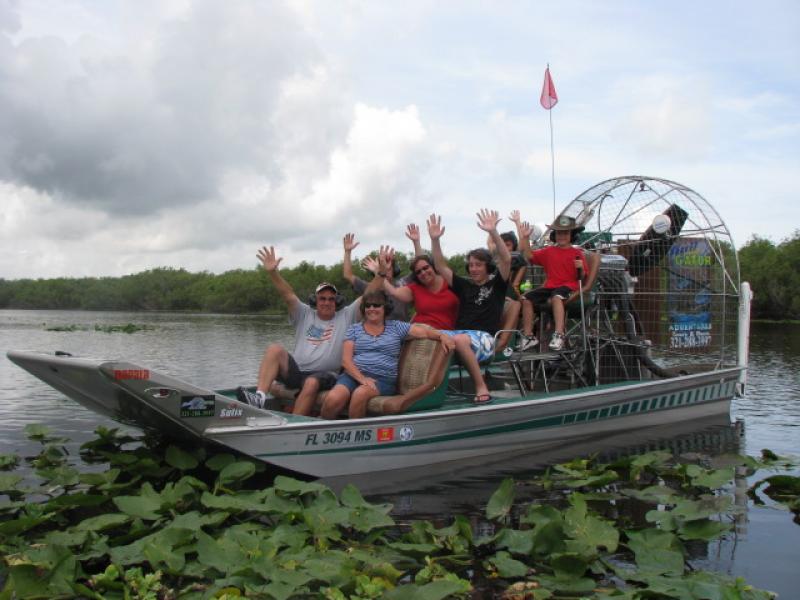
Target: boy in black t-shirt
point(481, 296)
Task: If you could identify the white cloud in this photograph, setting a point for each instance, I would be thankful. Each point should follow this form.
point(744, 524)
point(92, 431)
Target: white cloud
point(186, 133)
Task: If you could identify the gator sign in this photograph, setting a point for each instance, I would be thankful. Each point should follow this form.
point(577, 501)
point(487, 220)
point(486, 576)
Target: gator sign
point(689, 294)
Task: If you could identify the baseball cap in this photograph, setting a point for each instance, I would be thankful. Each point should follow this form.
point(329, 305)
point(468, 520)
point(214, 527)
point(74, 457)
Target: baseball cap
point(324, 285)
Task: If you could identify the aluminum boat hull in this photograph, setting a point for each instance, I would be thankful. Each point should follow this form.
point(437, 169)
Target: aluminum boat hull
point(459, 431)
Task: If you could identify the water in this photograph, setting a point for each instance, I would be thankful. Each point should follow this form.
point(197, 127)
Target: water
point(219, 351)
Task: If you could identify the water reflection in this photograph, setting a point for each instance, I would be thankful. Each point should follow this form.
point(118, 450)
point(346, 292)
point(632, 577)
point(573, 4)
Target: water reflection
point(464, 488)
point(771, 406)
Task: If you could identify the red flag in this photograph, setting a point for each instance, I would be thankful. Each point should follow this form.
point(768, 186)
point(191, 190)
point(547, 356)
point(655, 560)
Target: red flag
point(549, 97)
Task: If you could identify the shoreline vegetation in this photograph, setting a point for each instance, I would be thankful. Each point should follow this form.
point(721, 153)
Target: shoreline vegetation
point(164, 521)
point(773, 271)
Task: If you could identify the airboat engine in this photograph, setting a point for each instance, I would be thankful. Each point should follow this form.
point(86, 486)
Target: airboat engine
point(626, 348)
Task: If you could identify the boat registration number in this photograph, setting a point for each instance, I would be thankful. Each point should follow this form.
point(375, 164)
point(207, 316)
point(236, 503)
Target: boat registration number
point(332, 438)
point(404, 433)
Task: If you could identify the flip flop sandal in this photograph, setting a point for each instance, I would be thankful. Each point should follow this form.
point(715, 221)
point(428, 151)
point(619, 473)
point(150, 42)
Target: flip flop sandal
point(482, 399)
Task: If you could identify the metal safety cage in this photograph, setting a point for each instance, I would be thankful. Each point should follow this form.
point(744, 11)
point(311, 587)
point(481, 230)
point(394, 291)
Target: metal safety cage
point(667, 293)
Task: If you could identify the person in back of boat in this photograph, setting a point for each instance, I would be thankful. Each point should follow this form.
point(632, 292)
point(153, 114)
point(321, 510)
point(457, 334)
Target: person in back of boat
point(319, 334)
point(513, 302)
point(400, 310)
point(529, 341)
point(370, 357)
point(481, 296)
point(563, 264)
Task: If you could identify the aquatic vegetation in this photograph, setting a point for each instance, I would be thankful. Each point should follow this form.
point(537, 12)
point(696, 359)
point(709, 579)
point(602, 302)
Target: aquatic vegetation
point(126, 328)
point(167, 521)
point(65, 328)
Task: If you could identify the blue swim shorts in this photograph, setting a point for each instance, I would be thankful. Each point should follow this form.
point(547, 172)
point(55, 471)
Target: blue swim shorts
point(482, 343)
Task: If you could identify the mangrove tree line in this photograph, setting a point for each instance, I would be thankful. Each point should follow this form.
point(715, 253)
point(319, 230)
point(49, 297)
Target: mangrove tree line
point(772, 269)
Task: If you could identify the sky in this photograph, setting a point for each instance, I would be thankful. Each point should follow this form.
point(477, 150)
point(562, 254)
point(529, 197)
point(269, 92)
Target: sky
point(190, 133)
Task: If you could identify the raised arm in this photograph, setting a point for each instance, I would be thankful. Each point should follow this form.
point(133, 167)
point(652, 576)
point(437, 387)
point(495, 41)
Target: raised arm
point(349, 244)
point(403, 293)
point(491, 246)
point(412, 233)
point(524, 231)
point(435, 230)
point(487, 221)
point(381, 274)
point(270, 263)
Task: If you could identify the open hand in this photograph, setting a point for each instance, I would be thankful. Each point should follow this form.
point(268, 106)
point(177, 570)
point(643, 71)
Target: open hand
point(268, 259)
point(387, 254)
point(412, 232)
point(435, 229)
point(349, 242)
point(488, 219)
point(515, 217)
point(370, 264)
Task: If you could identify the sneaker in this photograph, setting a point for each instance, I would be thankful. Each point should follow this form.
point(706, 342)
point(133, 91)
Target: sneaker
point(251, 398)
point(557, 342)
point(528, 343)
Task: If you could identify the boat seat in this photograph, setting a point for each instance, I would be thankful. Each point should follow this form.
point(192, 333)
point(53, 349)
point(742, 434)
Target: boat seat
point(421, 371)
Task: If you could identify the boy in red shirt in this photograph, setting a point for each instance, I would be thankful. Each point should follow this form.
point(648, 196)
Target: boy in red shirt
point(564, 264)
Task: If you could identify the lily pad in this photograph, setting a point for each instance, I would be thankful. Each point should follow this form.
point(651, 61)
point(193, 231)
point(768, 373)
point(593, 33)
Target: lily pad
point(590, 531)
point(703, 529)
point(220, 461)
point(501, 500)
point(507, 566)
point(142, 507)
point(517, 542)
point(180, 459)
point(235, 472)
point(8, 461)
point(102, 522)
point(295, 486)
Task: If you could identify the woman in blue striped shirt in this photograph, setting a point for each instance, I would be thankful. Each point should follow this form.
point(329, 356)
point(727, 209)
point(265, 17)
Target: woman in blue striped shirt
point(370, 356)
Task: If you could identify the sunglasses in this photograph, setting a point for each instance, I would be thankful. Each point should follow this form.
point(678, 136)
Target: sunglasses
point(421, 270)
point(373, 304)
point(326, 298)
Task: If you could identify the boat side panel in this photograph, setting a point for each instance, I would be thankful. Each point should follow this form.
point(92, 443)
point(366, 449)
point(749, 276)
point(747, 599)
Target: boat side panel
point(138, 396)
point(348, 447)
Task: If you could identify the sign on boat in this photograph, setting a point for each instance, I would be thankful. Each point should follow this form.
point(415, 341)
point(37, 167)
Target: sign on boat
point(659, 337)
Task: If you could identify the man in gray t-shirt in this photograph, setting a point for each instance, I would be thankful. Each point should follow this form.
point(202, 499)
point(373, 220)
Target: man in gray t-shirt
point(319, 335)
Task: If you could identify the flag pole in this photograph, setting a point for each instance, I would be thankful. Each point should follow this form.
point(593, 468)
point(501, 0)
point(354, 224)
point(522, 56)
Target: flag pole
point(552, 160)
point(548, 100)
point(552, 156)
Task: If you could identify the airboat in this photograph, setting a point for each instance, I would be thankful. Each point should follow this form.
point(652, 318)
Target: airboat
point(658, 337)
